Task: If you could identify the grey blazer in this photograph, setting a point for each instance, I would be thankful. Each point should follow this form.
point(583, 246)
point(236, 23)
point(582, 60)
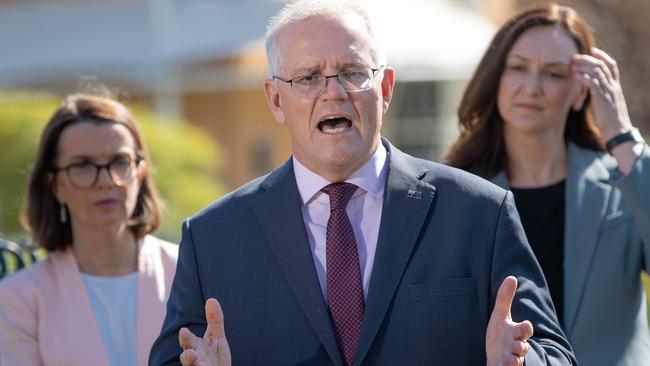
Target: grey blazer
point(606, 246)
point(446, 241)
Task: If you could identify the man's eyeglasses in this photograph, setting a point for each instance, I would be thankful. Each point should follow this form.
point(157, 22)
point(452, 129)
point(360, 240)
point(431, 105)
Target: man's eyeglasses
point(84, 174)
point(311, 86)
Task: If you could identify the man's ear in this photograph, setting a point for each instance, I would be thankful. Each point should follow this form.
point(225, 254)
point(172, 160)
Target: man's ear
point(387, 85)
point(274, 101)
point(579, 100)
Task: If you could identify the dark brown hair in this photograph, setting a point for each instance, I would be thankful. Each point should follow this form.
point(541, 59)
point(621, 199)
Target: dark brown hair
point(480, 148)
point(41, 212)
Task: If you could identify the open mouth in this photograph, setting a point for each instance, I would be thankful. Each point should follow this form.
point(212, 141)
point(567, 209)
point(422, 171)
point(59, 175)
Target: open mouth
point(333, 125)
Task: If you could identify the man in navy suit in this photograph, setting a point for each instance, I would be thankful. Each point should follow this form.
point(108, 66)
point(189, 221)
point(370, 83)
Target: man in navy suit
point(352, 252)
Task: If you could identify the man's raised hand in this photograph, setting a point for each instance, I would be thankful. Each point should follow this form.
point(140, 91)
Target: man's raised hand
point(212, 349)
point(506, 342)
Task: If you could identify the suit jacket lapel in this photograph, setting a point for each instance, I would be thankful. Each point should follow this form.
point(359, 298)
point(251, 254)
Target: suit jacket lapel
point(407, 200)
point(586, 201)
point(278, 209)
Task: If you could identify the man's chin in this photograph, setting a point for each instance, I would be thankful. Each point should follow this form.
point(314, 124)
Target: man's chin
point(343, 163)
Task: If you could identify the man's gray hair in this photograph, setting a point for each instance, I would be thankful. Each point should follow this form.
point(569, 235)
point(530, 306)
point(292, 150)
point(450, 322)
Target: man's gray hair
point(300, 10)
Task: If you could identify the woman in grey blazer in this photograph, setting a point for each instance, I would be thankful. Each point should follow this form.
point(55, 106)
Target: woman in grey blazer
point(557, 133)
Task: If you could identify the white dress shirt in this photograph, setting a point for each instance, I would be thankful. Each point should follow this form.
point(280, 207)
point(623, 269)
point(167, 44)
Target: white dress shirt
point(364, 211)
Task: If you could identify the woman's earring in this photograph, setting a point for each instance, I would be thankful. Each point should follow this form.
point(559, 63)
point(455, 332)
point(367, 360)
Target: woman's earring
point(63, 214)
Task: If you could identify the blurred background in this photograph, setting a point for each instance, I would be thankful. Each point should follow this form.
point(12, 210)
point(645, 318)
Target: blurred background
point(192, 71)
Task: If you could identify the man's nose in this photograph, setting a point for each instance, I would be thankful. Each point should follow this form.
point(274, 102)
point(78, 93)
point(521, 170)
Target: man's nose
point(334, 88)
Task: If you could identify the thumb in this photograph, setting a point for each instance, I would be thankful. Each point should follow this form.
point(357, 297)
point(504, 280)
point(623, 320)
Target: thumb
point(214, 317)
point(505, 296)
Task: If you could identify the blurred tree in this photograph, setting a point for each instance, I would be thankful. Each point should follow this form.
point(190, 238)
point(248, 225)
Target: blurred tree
point(184, 160)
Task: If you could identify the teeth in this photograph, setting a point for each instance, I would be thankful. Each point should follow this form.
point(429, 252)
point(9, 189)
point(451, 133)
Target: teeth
point(334, 124)
point(334, 130)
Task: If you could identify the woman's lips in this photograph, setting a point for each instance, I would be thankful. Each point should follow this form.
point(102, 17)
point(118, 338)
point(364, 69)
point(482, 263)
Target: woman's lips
point(529, 106)
point(106, 202)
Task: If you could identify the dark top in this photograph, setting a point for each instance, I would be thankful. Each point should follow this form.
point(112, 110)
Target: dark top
point(542, 215)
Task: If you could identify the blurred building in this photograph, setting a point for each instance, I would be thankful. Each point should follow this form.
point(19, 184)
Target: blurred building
point(204, 61)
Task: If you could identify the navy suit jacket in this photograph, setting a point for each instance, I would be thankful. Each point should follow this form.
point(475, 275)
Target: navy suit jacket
point(447, 239)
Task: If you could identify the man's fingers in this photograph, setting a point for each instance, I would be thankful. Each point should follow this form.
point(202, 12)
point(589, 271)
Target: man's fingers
point(505, 296)
point(214, 317)
point(509, 345)
point(523, 331)
point(189, 358)
point(512, 360)
point(520, 348)
point(186, 339)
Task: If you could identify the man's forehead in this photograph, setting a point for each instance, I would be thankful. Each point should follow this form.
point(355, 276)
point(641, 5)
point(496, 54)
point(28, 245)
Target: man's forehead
point(321, 28)
point(313, 43)
point(353, 59)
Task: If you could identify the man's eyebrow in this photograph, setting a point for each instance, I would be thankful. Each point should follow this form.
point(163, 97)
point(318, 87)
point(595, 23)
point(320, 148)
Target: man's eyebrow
point(317, 69)
point(348, 65)
point(307, 70)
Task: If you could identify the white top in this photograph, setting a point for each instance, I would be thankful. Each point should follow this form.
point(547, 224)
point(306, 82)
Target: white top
point(364, 211)
point(114, 302)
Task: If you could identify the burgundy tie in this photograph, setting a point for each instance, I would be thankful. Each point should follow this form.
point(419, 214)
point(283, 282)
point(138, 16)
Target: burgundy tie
point(344, 290)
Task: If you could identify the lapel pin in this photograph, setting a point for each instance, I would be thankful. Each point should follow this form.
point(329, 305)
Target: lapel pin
point(414, 194)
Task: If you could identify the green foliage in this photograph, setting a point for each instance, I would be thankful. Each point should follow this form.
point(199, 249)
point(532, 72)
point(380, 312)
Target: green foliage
point(185, 163)
point(184, 160)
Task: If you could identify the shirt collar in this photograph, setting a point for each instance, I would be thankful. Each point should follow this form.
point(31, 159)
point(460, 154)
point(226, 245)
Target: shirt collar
point(371, 177)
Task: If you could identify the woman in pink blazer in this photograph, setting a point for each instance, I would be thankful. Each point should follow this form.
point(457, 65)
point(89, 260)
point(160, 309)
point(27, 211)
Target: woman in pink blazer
point(99, 296)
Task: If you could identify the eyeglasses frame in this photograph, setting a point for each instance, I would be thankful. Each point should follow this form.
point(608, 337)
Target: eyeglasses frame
point(135, 162)
point(338, 79)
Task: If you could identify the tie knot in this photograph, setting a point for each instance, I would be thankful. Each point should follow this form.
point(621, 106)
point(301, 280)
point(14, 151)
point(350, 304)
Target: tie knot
point(340, 194)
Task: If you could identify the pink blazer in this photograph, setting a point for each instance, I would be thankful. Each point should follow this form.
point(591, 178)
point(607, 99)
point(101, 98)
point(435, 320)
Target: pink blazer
point(46, 317)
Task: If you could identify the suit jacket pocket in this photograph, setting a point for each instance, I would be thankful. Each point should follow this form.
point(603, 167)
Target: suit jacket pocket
point(445, 312)
point(453, 287)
